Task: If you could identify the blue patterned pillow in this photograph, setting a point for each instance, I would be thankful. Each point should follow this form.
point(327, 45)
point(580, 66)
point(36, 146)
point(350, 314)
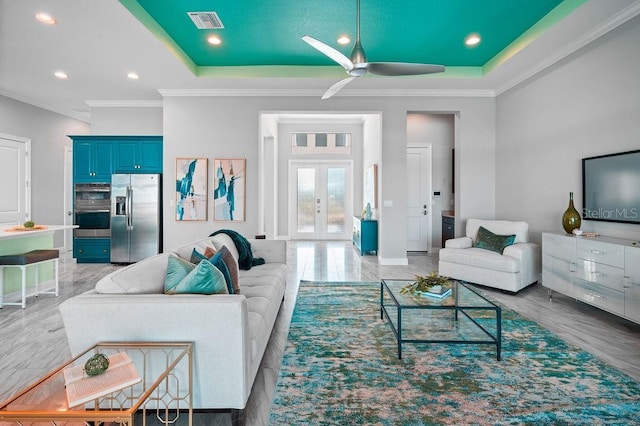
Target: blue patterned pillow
point(203, 279)
point(490, 241)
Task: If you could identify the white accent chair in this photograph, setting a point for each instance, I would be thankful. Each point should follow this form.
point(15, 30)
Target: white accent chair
point(517, 267)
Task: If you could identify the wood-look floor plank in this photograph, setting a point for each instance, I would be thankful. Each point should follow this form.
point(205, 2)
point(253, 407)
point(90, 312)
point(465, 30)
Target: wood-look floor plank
point(33, 339)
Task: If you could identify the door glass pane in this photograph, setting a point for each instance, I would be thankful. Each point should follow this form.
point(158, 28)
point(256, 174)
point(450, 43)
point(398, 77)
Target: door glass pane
point(321, 140)
point(306, 199)
point(336, 200)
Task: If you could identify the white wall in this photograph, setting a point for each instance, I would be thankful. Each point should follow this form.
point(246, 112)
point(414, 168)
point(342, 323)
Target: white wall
point(229, 127)
point(587, 105)
point(48, 134)
point(436, 130)
point(126, 121)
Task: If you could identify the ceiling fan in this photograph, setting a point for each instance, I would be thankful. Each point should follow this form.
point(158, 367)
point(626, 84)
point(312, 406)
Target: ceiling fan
point(357, 65)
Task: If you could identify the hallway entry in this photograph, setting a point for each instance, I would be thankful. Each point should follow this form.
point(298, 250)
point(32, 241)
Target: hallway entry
point(320, 199)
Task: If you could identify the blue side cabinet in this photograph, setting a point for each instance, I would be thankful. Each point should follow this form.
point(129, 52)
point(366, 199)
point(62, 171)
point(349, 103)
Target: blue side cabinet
point(365, 235)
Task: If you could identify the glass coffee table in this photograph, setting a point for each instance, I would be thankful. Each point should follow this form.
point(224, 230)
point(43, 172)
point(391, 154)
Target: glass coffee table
point(462, 316)
point(163, 390)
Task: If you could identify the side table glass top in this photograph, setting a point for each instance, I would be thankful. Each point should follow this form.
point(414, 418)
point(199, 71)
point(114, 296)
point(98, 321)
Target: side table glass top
point(160, 365)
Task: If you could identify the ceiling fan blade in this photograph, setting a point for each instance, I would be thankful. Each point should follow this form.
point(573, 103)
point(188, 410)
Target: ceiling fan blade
point(336, 87)
point(402, 68)
point(330, 52)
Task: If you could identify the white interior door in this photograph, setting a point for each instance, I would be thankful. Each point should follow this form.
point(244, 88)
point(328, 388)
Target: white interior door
point(419, 198)
point(14, 175)
point(68, 197)
point(320, 200)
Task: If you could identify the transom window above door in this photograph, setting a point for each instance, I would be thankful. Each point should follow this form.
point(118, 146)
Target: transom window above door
point(321, 143)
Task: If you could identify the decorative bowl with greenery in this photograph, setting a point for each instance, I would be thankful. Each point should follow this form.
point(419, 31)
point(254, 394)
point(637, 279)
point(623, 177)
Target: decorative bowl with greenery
point(425, 283)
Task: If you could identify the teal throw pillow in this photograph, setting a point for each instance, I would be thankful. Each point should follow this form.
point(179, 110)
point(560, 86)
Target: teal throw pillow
point(196, 257)
point(177, 269)
point(219, 263)
point(203, 279)
point(490, 241)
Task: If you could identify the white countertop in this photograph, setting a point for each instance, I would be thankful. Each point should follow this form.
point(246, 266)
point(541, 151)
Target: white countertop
point(4, 235)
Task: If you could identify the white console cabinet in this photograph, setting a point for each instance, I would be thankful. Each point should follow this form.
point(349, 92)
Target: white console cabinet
point(601, 271)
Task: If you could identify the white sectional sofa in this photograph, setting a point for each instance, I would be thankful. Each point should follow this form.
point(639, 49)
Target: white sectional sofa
point(517, 267)
point(230, 331)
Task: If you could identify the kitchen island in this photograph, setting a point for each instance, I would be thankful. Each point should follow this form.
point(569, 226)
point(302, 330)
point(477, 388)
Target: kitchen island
point(18, 241)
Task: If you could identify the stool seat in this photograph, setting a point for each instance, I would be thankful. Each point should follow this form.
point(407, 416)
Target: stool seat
point(21, 261)
point(28, 258)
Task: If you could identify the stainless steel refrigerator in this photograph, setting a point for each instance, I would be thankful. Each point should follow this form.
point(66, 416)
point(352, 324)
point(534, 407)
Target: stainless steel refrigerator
point(135, 217)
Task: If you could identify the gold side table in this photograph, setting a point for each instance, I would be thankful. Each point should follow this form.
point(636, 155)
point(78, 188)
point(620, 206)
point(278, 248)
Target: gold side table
point(166, 388)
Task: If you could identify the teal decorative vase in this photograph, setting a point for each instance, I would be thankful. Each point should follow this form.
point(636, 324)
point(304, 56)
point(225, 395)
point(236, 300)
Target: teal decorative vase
point(368, 212)
point(571, 218)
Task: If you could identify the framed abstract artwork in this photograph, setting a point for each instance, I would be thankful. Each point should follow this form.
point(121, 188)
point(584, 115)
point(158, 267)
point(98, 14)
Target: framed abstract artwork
point(191, 189)
point(229, 176)
point(370, 186)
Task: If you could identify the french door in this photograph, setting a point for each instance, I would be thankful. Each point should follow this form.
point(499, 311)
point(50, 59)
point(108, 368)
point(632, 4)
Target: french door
point(320, 200)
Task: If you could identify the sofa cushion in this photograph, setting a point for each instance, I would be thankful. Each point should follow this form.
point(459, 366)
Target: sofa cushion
point(232, 266)
point(205, 278)
point(197, 256)
point(221, 240)
point(481, 258)
point(144, 277)
point(486, 239)
point(177, 269)
point(219, 263)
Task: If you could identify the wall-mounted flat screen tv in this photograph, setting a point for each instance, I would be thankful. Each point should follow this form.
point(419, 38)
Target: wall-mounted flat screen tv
point(611, 187)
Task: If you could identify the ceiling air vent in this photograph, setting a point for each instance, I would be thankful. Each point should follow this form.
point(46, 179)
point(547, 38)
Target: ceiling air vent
point(206, 20)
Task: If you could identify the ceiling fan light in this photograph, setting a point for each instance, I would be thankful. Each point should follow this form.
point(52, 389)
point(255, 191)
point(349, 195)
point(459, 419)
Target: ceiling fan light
point(61, 75)
point(472, 40)
point(344, 40)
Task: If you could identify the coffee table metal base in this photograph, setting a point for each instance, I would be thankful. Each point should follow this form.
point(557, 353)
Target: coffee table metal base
point(459, 305)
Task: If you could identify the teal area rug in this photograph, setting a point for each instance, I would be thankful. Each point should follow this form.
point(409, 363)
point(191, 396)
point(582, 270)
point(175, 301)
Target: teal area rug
point(340, 367)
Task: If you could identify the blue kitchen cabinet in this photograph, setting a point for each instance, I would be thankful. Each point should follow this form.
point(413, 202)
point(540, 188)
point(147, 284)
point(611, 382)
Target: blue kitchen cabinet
point(92, 250)
point(92, 160)
point(139, 155)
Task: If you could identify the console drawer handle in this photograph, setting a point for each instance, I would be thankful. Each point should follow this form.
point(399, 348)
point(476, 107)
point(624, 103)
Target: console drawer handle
point(596, 251)
point(595, 295)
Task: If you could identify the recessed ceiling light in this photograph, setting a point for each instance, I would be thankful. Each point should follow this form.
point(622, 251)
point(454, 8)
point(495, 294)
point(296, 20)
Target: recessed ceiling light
point(344, 40)
point(472, 40)
point(45, 18)
point(61, 75)
point(214, 39)
point(133, 75)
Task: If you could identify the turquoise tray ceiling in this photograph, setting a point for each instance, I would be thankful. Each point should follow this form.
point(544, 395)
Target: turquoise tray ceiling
point(262, 38)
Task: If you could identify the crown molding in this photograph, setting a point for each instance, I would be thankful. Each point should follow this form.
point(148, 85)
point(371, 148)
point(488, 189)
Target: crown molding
point(615, 21)
point(124, 104)
point(478, 93)
point(76, 115)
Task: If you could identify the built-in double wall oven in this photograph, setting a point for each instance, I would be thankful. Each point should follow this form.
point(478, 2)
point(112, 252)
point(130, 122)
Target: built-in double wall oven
point(92, 210)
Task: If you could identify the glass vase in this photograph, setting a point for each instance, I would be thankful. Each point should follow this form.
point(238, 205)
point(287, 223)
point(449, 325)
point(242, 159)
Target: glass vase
point(571, 218)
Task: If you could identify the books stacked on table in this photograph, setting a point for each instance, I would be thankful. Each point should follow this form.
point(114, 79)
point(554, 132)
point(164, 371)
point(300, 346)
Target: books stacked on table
point(82, 388)
point(444, 292)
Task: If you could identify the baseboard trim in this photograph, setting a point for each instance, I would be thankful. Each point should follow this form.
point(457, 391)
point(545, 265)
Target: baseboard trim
point(393, 261)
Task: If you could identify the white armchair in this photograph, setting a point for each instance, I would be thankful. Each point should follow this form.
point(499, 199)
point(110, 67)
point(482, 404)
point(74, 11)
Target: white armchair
point(517, 267)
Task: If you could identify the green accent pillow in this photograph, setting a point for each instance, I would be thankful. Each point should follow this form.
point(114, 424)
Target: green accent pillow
point(490, 241)
point(177, 269)
point(203, 279)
